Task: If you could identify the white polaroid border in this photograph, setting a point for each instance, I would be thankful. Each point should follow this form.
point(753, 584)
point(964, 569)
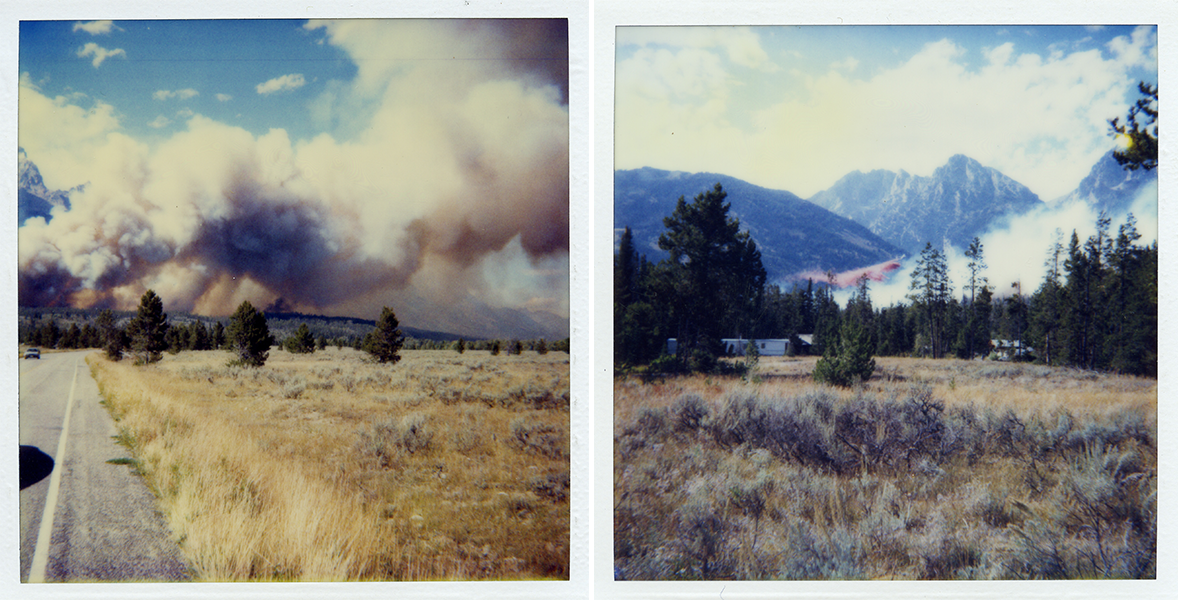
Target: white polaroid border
point(579, 584)
point(610, 14)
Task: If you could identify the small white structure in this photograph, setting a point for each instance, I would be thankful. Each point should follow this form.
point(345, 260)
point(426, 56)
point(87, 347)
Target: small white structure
point(765, 347)
point(1010, 349)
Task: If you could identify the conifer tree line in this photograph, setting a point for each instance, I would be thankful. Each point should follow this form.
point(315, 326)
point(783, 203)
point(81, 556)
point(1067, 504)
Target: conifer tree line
point(148, 333)
point(1095, 309)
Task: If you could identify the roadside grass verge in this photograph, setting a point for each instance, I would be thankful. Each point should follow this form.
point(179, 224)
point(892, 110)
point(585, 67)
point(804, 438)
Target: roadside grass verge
point(326, 467)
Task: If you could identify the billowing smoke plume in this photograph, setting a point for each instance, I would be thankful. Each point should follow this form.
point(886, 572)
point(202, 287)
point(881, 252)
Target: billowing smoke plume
point(448, 188)
point(1016, 249)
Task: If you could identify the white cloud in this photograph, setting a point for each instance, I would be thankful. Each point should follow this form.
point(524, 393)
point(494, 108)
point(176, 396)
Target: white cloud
point(180, 94)
point(160, 121)
point(282, 84)
point(1138, 50)
point(847, 64)
point(1041, 121)
point(224, 97)
point(99, 53)
point(63, 138)
point(740, 44)
point(95, 27)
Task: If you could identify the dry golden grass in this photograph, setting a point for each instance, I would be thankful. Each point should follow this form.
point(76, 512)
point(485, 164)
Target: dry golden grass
point(932, 469)
point(327, 467)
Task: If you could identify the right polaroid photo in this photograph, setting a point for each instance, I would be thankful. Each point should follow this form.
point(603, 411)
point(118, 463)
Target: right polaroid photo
point(885, 303)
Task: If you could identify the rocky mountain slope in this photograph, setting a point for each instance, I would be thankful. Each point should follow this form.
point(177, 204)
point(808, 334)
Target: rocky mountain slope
point(33, 198)
point(960, 200)
point(1109, 186)
point(793, 235)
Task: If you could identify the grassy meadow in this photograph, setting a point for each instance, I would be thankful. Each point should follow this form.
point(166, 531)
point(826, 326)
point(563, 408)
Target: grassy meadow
point(329, 467)
point(933, 469)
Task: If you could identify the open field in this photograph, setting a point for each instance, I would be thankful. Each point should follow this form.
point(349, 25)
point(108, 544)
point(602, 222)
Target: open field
point(327, 467)
point(932, 470)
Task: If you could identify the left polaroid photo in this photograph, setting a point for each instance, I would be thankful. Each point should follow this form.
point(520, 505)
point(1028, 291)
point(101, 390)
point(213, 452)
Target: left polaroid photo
point(293, 300)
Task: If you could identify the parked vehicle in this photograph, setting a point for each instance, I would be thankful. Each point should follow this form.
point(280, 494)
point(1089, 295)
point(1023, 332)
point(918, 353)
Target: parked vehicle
point(33, 353)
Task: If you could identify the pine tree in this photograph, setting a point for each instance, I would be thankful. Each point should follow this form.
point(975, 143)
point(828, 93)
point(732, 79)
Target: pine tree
point(199, 337)
point(302, 342)
point(385, 341)
point(218, 338)
point(49, 334)
point(931, 292)
point(752, 357)
point(72, 337)
point(112, 336)
point(541, 346)
point(1141, 144)
point(176, 339)
point(460, 346)
point(148, 329)
point(715, 275)
point(1046, 304)
point(91, 338)
point(248, 336)
point(847, 360)
point(826, 318)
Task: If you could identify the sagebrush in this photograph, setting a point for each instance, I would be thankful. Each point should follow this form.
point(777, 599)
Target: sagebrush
point(932, 470)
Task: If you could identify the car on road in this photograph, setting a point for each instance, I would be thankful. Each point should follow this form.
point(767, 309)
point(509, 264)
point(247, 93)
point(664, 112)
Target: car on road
point(33, 353)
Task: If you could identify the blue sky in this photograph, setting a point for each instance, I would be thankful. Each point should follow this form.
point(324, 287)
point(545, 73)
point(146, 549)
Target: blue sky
point(154, 73)
point(339, 166)
point(797, 107)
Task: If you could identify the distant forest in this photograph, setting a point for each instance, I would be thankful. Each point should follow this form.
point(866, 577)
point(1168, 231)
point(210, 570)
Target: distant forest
point(76, 328)
point(1096, 307)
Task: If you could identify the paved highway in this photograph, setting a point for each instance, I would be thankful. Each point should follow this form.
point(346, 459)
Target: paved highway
point(82, 518)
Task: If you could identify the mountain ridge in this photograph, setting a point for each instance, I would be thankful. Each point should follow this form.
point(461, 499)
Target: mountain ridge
point(1109, 186)
point(957, 202)
point(794, 236)
point(33, 198)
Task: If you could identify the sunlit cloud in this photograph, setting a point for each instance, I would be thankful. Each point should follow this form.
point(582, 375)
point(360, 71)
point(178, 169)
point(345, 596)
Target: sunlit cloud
point(160, 121)
point(95, 27)
point(847, 64)
point(223, 97)
point(178, 94)
point(285, 83)
point(99, 53)
point(740, 45)
point(1041, 120)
